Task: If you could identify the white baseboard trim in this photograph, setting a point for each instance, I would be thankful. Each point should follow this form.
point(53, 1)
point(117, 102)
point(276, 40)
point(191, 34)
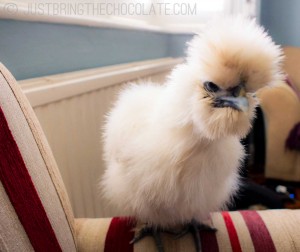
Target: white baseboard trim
point(48, 89)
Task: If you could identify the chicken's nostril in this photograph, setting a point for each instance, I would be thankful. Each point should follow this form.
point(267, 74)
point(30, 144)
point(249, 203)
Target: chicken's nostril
point(235, 92)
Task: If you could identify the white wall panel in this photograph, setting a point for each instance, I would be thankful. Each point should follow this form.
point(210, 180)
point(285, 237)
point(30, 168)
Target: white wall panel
point(73, 128)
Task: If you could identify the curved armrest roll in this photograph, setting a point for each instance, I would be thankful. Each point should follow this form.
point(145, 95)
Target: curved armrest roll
point(270, 230)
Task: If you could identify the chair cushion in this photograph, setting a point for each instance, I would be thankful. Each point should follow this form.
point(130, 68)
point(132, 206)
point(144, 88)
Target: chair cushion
point(35, 213)
point(291, 64)
point(281, 107)
point(270, 230)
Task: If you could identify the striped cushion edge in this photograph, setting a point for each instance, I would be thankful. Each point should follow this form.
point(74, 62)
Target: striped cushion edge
point(237, 231)
point(40, 165)
point(43, 146)
point(26, 202)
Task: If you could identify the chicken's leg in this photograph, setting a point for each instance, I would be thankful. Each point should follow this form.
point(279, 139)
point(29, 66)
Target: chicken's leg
point(194, 227)
point(150, 231)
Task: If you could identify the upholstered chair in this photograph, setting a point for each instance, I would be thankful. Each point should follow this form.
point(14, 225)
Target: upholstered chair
point(281, 109)
point(36, 215)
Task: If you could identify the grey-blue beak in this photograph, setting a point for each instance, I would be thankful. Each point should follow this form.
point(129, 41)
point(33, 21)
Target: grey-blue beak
point(238, 103)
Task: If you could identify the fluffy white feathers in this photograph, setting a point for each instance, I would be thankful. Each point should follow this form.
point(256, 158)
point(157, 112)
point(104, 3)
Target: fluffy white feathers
point(171, 155)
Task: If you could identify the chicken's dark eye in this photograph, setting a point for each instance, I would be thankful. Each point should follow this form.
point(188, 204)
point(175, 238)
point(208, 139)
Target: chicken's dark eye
point(211, 87)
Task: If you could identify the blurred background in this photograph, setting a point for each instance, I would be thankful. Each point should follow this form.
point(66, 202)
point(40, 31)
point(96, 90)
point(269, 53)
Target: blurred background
point(72, 57)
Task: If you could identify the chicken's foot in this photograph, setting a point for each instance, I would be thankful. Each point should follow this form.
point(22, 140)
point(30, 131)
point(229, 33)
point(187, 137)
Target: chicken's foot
point(194, 228)
point(150, 231)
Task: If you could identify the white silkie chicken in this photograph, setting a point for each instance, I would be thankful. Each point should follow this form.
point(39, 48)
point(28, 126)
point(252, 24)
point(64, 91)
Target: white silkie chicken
point(173, 151)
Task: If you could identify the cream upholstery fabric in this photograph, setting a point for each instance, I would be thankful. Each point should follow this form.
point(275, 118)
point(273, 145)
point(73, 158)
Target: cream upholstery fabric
point(222, 236)
point(281, 107)
point(245, 237)
point(12, 234)
point(291, 64)
point(283, 227)
point(91, 234)
point(38, 159)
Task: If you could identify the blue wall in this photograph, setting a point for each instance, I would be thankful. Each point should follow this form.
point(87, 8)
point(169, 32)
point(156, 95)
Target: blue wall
point(37, 49)
point(282, 19)
point(30, 49)
point(177, 44)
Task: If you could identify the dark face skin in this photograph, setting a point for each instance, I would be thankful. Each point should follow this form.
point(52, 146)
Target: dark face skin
point(229, 98)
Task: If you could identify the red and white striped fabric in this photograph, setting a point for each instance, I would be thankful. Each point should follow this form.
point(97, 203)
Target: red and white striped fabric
point(35, 213)
point(261, 231)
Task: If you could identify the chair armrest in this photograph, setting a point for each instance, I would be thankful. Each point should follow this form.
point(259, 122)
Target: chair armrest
point(91, 233)
point(281, 108)
point(270, 230)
